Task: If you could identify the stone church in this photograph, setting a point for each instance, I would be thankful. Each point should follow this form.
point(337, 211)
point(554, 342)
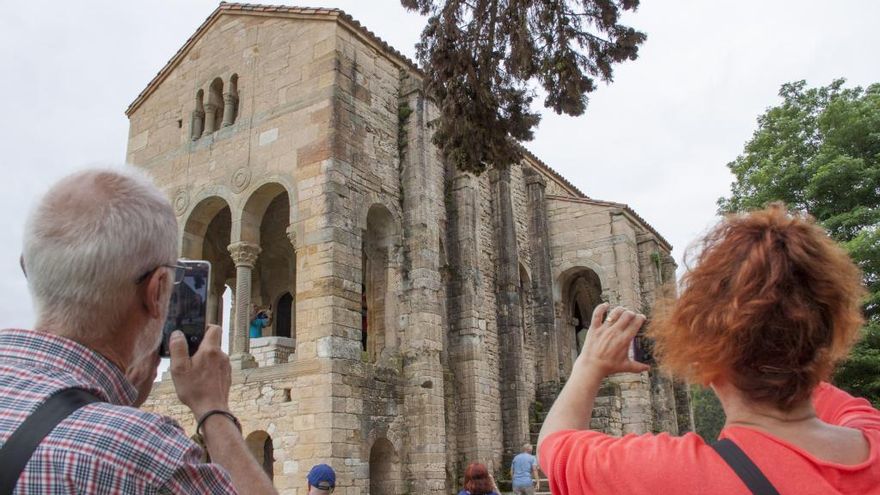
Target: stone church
point(423, 317)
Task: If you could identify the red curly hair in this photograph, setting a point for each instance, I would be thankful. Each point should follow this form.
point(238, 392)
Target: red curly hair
point(476, 479)
point(772, 305)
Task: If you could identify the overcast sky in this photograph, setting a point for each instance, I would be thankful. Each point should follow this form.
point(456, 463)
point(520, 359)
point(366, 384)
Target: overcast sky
point(658, 138)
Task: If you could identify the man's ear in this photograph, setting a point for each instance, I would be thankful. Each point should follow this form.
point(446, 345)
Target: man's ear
point(156, 292)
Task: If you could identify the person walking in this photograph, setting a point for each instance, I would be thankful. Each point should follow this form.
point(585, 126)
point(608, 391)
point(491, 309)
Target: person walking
point(524, 472)
point(478, 481)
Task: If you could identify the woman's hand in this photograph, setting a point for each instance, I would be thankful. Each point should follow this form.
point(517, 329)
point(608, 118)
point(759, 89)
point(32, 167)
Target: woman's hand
point(606, 347)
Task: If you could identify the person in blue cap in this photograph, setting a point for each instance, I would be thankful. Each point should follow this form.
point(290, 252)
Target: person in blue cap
point(322, 480)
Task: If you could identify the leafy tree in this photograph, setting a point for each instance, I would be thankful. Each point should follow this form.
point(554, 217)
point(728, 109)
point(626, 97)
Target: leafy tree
point(481, 56)
point(819, 151)
point(709, 417)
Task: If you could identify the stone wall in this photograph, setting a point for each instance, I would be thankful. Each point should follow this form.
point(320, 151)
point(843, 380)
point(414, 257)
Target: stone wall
point(325, 184)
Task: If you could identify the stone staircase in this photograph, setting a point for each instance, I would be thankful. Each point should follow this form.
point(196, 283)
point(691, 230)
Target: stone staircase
point(538, 416)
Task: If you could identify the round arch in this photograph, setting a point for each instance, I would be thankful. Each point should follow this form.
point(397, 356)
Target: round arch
point(386, 473)
point(260, 445)
point(581, 292)
point(253, 202)
point(195, 228)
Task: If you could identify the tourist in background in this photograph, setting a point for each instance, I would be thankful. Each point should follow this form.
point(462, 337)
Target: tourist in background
point(478, 481)
point(771, 305)
point(321, 480)
point(524, 472)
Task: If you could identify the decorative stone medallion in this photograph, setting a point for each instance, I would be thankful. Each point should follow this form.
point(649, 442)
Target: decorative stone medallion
point(241, 179)
point(181, 202)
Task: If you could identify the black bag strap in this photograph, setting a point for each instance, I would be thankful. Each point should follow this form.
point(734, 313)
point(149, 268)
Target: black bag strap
point(20, 446)
point(747, 471)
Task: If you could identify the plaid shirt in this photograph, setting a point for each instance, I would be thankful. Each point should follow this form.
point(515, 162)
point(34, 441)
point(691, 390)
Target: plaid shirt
point(104, 447)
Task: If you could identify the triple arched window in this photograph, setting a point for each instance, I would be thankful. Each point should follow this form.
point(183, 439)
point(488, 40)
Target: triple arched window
point(219, 108)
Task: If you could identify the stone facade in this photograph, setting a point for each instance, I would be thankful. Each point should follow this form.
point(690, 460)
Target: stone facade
point(423, 317)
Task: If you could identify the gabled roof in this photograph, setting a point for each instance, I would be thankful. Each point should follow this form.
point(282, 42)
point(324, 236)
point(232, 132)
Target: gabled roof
point(624, 208)
point(552, 174)
point(324, 14)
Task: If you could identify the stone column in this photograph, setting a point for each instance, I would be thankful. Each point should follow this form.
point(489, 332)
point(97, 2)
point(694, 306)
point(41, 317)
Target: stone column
point(213, 305)
point(476, 383)
point(422, 342)
point(210, 117)
point(515, 397)
point(230, 102)
point(542, 290)
point(244, 255)
point(197, 124)
point(637, 411)
point(291, 235)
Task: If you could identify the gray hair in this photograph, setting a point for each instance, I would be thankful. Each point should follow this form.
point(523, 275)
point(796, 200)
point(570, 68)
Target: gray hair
point(87, 242)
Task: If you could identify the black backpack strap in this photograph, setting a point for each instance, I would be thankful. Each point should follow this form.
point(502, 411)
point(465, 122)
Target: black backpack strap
point(20, 446)
point(747, 471)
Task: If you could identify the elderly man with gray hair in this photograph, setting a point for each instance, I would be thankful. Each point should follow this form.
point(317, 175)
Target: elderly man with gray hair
point(100, 257)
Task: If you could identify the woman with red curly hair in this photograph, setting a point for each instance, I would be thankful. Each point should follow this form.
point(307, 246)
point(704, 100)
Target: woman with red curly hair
point(770, 307)
point(478, 481)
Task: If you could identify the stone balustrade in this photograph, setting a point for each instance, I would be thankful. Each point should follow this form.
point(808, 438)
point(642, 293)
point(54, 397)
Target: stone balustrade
point(270, 351)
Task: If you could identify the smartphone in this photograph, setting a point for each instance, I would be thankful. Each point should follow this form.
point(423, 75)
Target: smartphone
point(642, 348)
point(188, 309)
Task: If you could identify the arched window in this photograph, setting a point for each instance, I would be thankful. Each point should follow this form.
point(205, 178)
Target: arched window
point(214, 107)
point(377, 242)
point(197, 123)
point(230, 100)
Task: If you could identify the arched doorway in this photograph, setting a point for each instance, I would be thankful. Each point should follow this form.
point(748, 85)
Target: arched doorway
point(582, 292)
point(260, 445)
point(386, 476)
point(206, 236)
point(266, 222)
point(283, 312)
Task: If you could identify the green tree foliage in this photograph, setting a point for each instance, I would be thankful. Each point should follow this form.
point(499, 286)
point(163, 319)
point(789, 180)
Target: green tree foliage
point(819, 151)
point(482, 56)
point(709, 417)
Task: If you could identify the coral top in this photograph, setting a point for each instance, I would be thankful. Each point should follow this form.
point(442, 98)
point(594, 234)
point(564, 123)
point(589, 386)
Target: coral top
point(588, 462)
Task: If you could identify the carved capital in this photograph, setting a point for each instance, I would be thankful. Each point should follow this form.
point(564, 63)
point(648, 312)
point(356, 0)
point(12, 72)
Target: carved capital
point(229, 98)
point(211, 107)
point(244, 253)
point(291, 234)
point(536, 180)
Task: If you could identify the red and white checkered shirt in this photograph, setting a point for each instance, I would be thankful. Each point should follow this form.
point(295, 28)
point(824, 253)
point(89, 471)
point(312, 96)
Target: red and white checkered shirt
point(104, 447)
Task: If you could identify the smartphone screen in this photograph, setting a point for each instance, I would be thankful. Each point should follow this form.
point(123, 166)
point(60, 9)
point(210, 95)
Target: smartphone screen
point(188, 308)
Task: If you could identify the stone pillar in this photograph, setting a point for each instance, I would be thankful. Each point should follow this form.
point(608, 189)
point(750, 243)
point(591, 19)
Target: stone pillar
point(291, 235)
point(515, 397)
point(475, 381)
point(197, 124)
point(230, 102)
point(542, 290)
point(637, 410)
point(210, 117)
point(422, 179)
point(213, 305)
point(244, 255)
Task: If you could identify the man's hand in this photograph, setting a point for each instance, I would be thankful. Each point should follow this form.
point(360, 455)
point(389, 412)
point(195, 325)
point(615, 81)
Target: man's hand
point(142, 374)
point(201, 382)
point(606, 348)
